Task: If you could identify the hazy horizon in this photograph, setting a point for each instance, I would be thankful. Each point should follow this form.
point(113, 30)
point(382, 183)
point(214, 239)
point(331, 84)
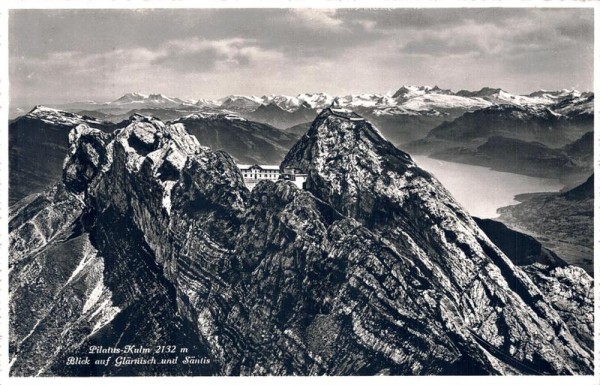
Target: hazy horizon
point(60, 56)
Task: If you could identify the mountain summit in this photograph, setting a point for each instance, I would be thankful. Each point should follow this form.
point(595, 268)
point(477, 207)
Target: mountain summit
point(134, 99)
point(373, 269)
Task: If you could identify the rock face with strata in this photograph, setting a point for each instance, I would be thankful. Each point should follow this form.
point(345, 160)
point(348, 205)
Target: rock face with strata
point(153, 239)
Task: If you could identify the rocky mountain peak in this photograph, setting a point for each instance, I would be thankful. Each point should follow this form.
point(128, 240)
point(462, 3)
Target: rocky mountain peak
point(486, 91)
point(338, 131)
point(147, 149)
point(336, 103)
point(270, 107)
point(482, 93)
point(363, 176)
point(130, 97)
point(157, 96)
point(406, 91)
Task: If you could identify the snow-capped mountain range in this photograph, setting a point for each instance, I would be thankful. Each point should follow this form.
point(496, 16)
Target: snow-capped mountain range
point(161, 100)
point(406, 100)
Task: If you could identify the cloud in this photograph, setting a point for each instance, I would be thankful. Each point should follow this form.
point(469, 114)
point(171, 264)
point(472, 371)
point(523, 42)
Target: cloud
point(193, 60)
point(213, 52)
point(528, 33)
point(299, 33)
point(317, 18)
point(438, 46)
point(194, 55)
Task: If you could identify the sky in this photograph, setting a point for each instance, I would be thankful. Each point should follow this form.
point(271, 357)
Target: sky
point(57, 56)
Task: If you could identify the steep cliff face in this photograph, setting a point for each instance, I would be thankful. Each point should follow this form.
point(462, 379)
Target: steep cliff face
point(153, 239)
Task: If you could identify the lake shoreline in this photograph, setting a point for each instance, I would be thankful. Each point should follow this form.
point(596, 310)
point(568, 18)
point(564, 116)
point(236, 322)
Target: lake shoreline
point(469, 183)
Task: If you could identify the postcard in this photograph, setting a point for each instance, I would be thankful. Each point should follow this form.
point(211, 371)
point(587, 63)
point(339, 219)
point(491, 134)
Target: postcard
point(292, 190)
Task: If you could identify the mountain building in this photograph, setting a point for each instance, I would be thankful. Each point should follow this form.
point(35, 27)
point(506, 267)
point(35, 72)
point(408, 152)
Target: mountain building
point(255, 173)
point(294, 175)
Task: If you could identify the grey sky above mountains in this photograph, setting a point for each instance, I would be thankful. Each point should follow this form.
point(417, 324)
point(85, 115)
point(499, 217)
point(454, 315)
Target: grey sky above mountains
point(58, 56)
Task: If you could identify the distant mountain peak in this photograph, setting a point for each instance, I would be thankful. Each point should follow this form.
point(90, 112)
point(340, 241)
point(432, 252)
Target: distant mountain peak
point(131, 96)
point(402, 91)
point(240, 102)
point(153, 99)
point(483, 92)
point(55, 116)
point(408, 91)
point(38, 109)
point(270, 106)
point(490, 90)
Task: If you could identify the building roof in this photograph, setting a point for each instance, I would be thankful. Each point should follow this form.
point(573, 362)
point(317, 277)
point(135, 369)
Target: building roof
point(261, 166)
point(345, 113)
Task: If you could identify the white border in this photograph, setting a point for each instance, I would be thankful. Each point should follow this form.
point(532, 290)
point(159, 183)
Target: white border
point(596, 189)
point(5, 5)
point(4, 193)
point(123, 4)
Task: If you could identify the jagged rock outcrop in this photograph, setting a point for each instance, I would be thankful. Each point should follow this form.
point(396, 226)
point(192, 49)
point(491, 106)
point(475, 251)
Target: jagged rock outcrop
point(375, 269)
point(570, 290)
point(38, 142)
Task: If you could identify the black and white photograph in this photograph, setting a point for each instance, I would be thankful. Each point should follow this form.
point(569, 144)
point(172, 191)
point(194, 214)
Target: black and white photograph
point(299, 191)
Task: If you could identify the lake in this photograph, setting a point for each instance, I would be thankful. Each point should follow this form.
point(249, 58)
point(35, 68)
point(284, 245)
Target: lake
point(481, 190)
